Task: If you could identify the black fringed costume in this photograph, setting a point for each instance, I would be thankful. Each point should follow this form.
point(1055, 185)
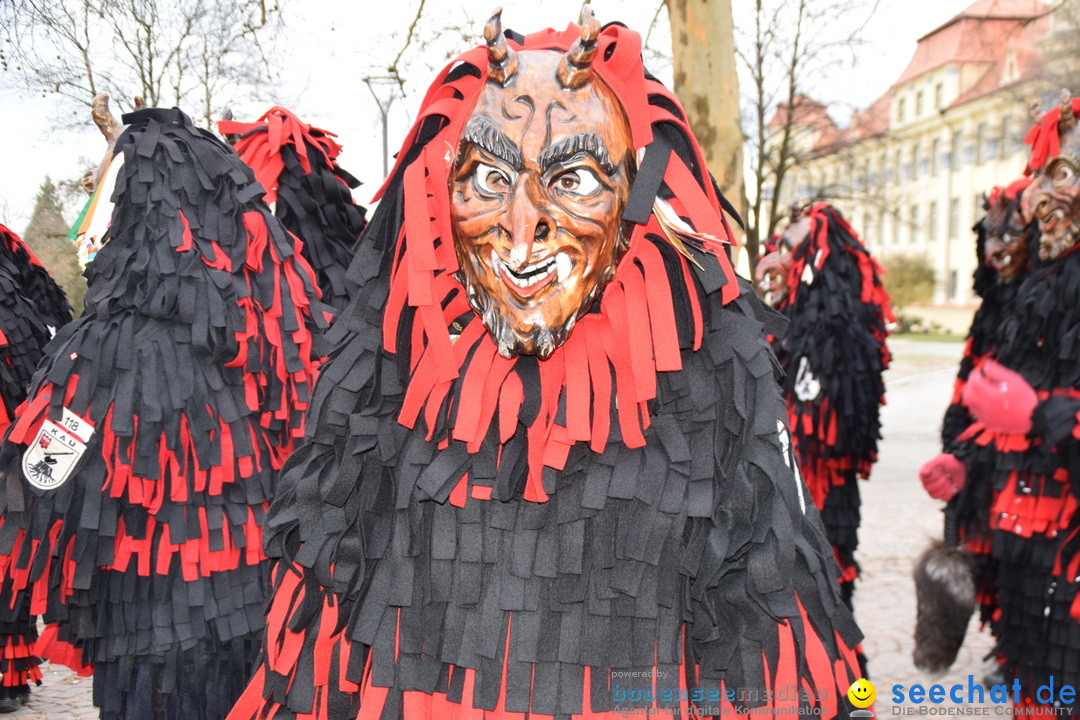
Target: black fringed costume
point(834, 354)
point(1035, 476)
point(308, 192)
point(969, 510)
point(463, 535)
point(1036, 543)
point(183, 385)
point(32, 307)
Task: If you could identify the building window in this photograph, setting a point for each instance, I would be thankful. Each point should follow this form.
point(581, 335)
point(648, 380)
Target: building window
point(1009, 144)
point(896, 222)
point(918, 104)
point(914, 223)
point(980, 144)
point(952, 285)
point(954, 217)
point(939, 97)
point(993, 144)
point(916, 161)
point(935, 148)
point(931, 221)
point(1013, 139)
point(900, 110)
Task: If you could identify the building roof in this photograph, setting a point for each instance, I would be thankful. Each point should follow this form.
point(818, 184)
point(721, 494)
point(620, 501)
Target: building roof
point(995, 41)
point(978, 34)
point(808, 112)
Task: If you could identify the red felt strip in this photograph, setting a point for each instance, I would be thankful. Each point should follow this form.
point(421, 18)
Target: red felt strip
point(628, 309)
point(578, 390)
point(600, 377)
point(661, 309)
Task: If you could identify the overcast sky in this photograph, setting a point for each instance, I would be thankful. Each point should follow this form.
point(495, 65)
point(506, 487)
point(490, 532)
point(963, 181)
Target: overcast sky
point(327, 54)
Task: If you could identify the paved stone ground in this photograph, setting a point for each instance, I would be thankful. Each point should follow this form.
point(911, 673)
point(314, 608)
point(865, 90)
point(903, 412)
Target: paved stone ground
point(898, 521)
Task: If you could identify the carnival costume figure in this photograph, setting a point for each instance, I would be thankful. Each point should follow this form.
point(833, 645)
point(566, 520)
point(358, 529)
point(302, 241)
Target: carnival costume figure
point(546, 472)
point(958, 571)
point(32, 308)
point(1024, 440)
point(308, 191)
point(834, 353)
point(137, 475)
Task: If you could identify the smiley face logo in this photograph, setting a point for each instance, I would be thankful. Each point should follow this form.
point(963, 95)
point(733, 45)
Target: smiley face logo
point(861, 693)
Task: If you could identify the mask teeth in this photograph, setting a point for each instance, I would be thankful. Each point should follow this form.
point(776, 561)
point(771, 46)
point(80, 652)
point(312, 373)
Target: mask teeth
point(563, 264)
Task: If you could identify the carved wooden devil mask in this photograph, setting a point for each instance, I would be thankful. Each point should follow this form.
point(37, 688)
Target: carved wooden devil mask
point(543, 171)
point(1053, 199)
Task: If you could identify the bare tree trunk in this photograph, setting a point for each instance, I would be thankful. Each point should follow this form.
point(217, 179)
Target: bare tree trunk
point(703, 50)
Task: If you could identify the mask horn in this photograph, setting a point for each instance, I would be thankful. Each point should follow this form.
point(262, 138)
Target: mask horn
point(795, 210)
point(1067, 120)
point(502, 60)
point(576, 65)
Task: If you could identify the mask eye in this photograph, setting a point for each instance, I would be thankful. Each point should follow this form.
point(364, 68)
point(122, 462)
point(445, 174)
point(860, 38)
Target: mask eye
point(1062, 174)
point(579, 181)
point(490, 180)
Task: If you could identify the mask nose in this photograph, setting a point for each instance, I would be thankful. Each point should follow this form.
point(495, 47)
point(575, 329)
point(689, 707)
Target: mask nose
point(529, 219)
point(1030, 201)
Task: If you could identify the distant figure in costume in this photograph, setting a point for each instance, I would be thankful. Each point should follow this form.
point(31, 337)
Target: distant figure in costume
point(307, 190)
point(547, 456)
point(32, 308)
point(1024, 440)
point(834, 354)
point(1003, 249)
point(137, 475)
point(772, 272)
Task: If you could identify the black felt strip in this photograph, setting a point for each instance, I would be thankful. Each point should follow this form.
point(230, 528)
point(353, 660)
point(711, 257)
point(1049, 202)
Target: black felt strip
point(650, 175)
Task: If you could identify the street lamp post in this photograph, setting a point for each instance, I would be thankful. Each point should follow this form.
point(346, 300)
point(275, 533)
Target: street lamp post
point(384, 97)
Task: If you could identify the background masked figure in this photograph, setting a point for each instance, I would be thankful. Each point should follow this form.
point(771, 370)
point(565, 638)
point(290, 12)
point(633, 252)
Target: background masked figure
point(1024, 437)
point(32, 308)
point(834, 354)
point(548, 451)
point(138, 473)
point(1004, 249)
point(307, 190)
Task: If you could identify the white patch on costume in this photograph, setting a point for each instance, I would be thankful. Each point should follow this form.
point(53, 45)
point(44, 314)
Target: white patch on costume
point(57, 449)
point(808, 274)
point(807, 387)
point(789, 460)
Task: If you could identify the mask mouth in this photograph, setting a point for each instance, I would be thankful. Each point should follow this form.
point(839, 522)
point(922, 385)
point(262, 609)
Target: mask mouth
point(1001, 261)
point(530, 279)
point(1049, 222)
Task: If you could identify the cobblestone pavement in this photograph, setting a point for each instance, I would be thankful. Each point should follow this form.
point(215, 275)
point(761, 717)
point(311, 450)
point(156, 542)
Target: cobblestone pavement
point(898, 521)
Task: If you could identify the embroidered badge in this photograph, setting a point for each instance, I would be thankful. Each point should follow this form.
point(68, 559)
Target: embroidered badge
point(57, 449)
